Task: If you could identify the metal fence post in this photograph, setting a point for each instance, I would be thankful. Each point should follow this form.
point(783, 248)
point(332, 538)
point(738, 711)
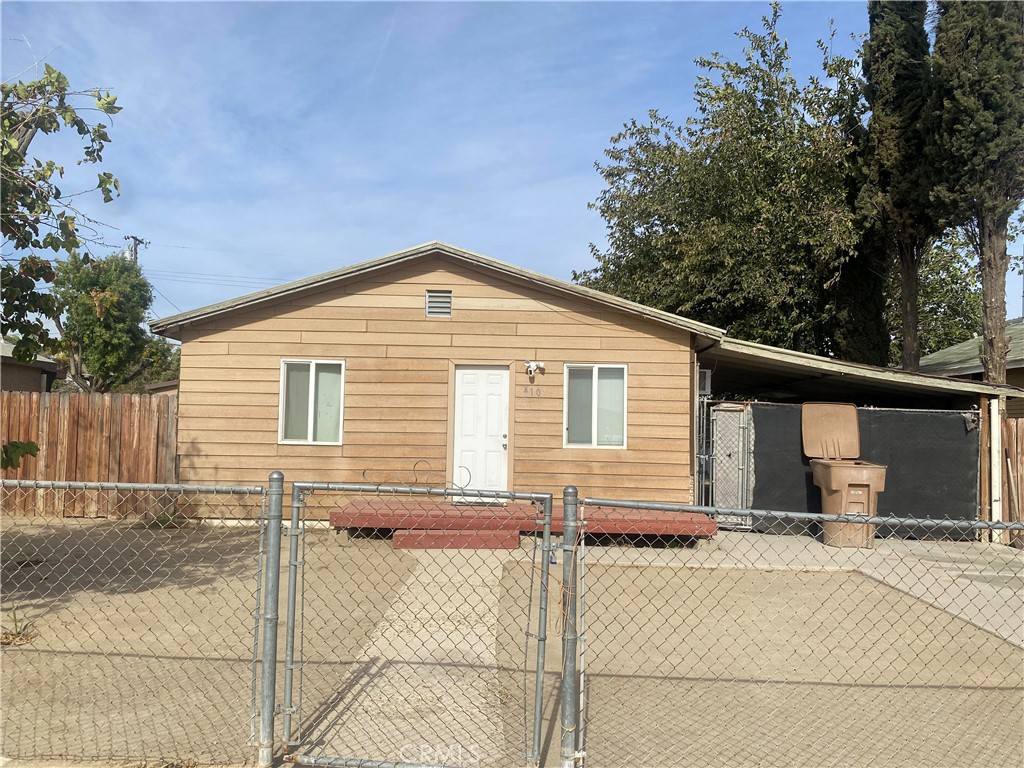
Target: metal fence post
point(294, 532)
point(542, 634)
point(570, 680)
point(272, 583)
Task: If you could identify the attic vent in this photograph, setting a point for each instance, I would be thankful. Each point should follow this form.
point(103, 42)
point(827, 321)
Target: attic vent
point(439, 303)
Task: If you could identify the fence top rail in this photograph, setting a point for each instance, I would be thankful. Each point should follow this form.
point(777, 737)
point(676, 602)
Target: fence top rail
point(415, 490)
point(917, 522)
point(58, 485)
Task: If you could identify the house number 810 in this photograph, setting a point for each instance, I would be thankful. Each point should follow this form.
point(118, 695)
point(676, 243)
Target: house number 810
point(531, 391)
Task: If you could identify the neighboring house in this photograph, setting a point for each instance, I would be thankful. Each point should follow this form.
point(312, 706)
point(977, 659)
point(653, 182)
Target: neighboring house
point(437, 366)
point(16, 376)
point(964, 360)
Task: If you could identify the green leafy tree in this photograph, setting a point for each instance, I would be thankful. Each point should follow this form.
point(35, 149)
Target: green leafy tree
point(103, 304)
point(161, 361)
point(979, 145)
point(742, 218)
point(36, 216)
point(899, 217)
point(949, 295)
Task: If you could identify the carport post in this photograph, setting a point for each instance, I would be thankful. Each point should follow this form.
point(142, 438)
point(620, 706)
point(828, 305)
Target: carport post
point(268, 659)
point(570, 679)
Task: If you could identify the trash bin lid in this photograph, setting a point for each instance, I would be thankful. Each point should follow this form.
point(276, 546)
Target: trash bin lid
point(830, 430)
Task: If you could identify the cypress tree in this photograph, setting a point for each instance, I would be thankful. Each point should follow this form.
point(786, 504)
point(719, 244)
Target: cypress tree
point(979, 143)
point(895, 201)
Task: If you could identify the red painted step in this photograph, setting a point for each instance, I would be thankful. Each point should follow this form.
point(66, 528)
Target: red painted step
point(437, 515)
point(427, 539)
point(450, 519)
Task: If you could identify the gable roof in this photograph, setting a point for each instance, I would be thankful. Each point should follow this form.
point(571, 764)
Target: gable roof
point(965, 358)
point(712, 342)
point(173, 324)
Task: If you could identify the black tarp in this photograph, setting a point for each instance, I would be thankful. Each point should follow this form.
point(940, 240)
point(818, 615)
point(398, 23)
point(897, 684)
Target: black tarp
point(932, 459)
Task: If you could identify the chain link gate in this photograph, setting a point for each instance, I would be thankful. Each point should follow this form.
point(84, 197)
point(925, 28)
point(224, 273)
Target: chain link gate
point(415, 626)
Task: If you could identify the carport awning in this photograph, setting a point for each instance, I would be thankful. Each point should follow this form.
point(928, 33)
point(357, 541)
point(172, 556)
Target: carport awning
point(744, 368)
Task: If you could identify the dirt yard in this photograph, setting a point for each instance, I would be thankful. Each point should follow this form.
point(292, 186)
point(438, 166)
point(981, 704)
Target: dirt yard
point(143, 645)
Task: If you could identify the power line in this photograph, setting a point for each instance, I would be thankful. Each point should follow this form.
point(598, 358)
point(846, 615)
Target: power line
point(244, 251)
point(165, 298)
point(204, 277)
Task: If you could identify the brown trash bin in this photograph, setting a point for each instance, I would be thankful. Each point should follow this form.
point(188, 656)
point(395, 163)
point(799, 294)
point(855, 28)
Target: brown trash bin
point(848, 488)
point(831, 439)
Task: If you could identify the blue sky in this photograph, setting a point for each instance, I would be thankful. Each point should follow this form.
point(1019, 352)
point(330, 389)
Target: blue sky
point(263, 142)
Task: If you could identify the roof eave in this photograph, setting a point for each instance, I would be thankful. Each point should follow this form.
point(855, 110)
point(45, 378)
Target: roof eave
point(881, 375)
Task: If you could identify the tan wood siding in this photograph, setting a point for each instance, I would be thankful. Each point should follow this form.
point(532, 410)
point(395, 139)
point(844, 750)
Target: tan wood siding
point(398, 384)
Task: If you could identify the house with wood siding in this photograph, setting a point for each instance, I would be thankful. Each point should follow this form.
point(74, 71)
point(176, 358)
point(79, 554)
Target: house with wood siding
point(437, 366)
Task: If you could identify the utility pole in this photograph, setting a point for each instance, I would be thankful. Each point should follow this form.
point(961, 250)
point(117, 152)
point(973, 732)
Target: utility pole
point(133, 246)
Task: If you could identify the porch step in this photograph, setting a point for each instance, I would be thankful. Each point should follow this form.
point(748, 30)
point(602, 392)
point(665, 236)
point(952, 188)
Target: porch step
point(448, 517)
point(649, 523)
point(425, 522)
point(464, 539)
point(381, 513)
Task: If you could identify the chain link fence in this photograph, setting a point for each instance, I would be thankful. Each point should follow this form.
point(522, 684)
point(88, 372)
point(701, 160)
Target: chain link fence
point(128, 621)
point(451, 627)
point(756, 649)
point(416, 626)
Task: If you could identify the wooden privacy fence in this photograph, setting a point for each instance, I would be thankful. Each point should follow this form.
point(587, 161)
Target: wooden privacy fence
point(94, 438)
point(1013, 475)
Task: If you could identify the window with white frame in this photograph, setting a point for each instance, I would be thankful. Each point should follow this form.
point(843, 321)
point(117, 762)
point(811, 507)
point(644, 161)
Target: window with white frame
point(595, 405)
point(311, 401)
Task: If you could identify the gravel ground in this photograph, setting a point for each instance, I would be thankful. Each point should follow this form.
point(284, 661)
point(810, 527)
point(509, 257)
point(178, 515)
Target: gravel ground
point(743, 653)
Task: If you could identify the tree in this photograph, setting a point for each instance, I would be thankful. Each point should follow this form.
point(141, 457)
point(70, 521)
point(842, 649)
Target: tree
point(161, 361)
point(741, 218)
point(895, 197)
point(35, 214)
point(103, 305)
point(979, 71)
point(949, 295)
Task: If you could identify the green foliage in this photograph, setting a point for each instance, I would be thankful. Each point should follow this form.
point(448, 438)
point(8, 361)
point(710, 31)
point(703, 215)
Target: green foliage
point(950, 295)
point(979, 143)
point(25, 308)
point(160, 361)
point(35, 213)
point(742, 218)
point(979, 68)
point(13, 451)
point(103, 304)
point(895, 199)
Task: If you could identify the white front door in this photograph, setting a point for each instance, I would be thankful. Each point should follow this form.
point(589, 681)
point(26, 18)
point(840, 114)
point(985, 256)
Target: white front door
point(481, 428)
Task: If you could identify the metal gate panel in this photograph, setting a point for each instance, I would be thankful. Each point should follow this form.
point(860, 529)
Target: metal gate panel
point(732, 466)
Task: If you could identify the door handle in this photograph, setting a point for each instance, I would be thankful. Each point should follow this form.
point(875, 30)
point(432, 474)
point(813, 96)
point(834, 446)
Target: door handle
point(504, 446)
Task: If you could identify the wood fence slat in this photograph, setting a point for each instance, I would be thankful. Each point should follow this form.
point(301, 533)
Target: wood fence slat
point(114, 450)
point(45, 452)
point(30, 467)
